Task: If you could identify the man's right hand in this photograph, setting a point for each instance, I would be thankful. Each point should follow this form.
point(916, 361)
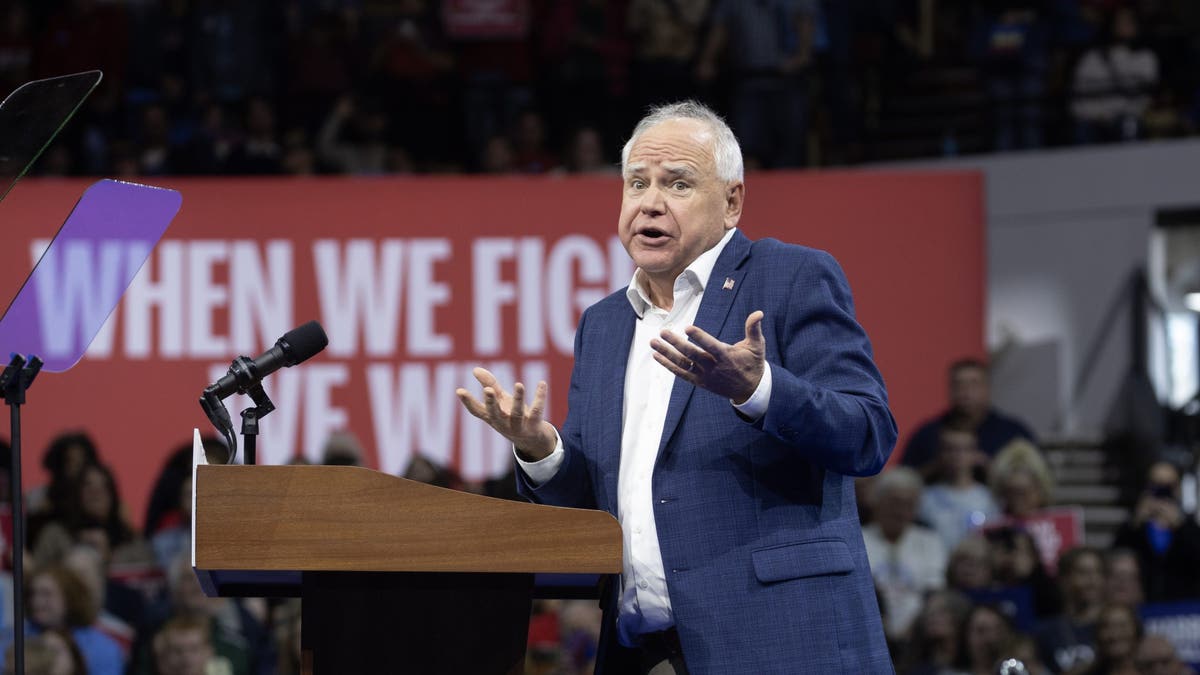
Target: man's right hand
point(533, 437)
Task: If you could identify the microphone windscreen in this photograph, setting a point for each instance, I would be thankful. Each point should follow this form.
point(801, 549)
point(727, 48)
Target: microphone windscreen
point(303, 342)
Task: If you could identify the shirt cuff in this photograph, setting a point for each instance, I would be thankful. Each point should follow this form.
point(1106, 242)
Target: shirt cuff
point(544, 469)
point(756, 406)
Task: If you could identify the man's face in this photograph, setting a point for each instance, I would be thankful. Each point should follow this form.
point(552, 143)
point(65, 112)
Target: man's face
point(969, 390)
point(185, 652)
point(675, 207)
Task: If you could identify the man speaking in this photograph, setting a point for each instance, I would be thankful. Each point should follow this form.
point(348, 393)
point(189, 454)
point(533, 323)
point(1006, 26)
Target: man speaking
point(718, 408)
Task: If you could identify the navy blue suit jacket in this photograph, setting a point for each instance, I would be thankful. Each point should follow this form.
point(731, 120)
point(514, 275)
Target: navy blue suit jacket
point(757, 522)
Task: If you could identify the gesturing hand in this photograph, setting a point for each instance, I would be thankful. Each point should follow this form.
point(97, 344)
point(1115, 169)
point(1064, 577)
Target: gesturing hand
point(733, 371)
point(533, 437)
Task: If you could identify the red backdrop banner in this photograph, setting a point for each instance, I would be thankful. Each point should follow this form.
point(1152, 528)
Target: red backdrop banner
point(416, 280)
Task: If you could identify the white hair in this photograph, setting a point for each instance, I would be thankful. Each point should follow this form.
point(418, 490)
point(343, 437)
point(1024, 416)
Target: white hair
point(897, 479)
point(727, 154)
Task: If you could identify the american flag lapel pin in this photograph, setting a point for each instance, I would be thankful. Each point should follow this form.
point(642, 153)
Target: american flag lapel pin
point(728, 284)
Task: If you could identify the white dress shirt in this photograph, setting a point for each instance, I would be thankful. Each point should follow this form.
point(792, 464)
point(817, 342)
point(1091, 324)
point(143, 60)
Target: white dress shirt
point(645, 605)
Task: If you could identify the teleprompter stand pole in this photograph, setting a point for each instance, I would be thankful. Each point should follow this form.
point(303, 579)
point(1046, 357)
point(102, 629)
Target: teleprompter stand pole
point(14, 381)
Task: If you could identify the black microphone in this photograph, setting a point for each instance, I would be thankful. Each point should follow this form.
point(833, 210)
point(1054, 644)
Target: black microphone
point(296, 346)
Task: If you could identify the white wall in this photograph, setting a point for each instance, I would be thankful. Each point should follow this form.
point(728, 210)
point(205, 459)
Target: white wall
point(1065, 230)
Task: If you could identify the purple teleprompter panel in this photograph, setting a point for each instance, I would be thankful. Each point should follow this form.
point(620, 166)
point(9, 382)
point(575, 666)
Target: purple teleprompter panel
point(80, 278)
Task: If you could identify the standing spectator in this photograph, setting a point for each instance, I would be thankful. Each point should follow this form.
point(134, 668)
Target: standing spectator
point(1011, 47)
point(259, 152)
point(64, 458)
point(956, 504)
point(353, 139)
point(233, 47)
point(970, 566)
point(1166, 540)
point(769, 48)
point(970, 401)
point(1018, 570)
point(907, 560)
point(1113, 83)
point(666, 37)
point(1068, 641)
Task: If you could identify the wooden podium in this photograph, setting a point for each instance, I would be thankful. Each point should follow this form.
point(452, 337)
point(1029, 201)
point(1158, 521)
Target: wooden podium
point(396, 576)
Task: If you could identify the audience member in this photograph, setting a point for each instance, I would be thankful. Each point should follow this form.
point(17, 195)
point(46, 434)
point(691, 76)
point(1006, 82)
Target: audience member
point(58, 599)
point(353, 139)
point(182, 647)
point(1156, 655)
point(1123, 577)
point(971, 404)
point(985, 634)
point(1020, 480)
point(1118, 631)
point(342, 448)
point(1017, 566)
point(970, 567)
point(666, 37)
point(53, 652)
point(64, 459)
point(1011, 48)
point(768, 45)
point(932, 648)
point(89, 567)
point(956, 504)
point(585, 153)
point(907, 559)
point(1166, 541)
point(1068, 641)
point(1113, 83)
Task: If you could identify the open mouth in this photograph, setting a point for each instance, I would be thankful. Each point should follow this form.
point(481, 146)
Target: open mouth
point(652, 233)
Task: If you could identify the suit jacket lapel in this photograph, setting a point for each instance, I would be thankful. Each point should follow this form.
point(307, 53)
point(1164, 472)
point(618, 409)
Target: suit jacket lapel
point(612, 398)
point(723, 286)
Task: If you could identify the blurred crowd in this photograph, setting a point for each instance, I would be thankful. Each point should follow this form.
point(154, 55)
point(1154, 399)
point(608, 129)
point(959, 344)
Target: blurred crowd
point(398, 86)
point(967, 569)
point(970, 573)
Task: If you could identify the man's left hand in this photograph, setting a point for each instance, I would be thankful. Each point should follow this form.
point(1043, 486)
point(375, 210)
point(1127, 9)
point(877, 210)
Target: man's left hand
point(732, 371)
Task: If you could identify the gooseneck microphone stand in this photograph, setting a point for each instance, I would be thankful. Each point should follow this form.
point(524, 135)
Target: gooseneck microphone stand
point(214, 408)
point(14, 381)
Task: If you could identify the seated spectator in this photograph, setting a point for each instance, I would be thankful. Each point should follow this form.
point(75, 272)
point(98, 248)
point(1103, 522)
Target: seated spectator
point(236, 634)
point(970, 565)
point(907, 560)
point(1118, 631)
point(933, 645)
point(182, 647)
point(58, 600)
point(956, 504)
point(1123, 578)
point(95, 504)
point(985, 634)
point(1166, 541)
point(1017, 565)
point(87, 564)
point(1068, 640)
point(260, 151)
point(1023, 648)
point(54, 652)
point(172, 541)
point(1113, 83)
point(1156, 655)
point(970, 403)
point(1020, 480)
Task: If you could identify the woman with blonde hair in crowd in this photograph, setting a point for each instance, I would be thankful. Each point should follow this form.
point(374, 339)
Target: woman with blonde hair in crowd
point(1020, 479)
